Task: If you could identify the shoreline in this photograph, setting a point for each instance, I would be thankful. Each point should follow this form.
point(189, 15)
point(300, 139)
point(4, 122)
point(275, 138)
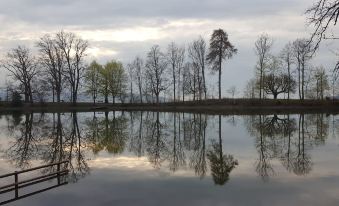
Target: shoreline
point(224, 106)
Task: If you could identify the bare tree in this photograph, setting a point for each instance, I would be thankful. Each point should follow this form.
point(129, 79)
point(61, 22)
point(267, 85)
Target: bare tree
point(321, 15)
point(277, 81)
point(197, 53)
point(175, 58)
point(287, 56)
point(193, 80)
point(185, 80)
point(138, 65)
point(277, 84)
point(52, 59)
point(220, 49)
point(302, 53)
point(232, 91)
point(130, 70)
point(74, 50)
point(262, 49)
point(251, 89)
point(23, 67)
point(155, 71)
point(321, 83)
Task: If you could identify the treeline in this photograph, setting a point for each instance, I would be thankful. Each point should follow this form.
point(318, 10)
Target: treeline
point(60, 68)
point(289, 72)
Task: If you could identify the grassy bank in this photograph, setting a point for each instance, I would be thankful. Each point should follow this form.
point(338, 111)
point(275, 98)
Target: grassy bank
point(224, 106)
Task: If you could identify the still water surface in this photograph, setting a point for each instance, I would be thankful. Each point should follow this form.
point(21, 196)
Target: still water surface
point(150, 158)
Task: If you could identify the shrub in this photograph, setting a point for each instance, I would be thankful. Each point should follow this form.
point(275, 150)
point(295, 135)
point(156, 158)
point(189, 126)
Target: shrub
point(16, 99)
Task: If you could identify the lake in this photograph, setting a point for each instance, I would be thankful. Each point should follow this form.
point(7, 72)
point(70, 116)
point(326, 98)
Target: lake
point(157, 158)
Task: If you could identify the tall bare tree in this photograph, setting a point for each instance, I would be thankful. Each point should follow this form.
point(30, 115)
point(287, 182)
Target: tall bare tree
point(130, 70)
point(287, 57)
point(23, 67)
point(193, 80)
point(52, 60)
point(156, 71)
point(175, 58)
point(220, 49)
point(197, 53)
point(262, 49)
point(302, 53)
point(321, 82)
point(74, 50)
point(138, 66)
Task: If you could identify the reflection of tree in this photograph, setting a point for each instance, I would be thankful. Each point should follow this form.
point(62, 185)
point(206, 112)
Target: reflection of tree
point(111, 135)
point(65, 142)
point(177, 155)
point(156, 148)
point(287, 153)
point(73, 151)
point(302, 163)
point(25, 146)
point(54, 151)
point(13, 120)
point(92, 129)
point(270, 132)
point(198, 158)
point(317, 127)
point(41, 139)
point(277, 138)
point(221, 164)
point(137, 139)
point(264, 147)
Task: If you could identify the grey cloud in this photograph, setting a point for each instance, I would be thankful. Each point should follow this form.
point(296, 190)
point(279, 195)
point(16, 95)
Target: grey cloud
point(121, 12)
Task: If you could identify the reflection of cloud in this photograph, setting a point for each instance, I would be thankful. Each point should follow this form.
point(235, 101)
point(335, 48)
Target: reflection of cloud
point(137, 164)
point(121, 162)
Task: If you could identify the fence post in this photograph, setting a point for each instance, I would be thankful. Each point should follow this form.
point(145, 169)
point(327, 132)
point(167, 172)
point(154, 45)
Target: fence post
point(16, 184)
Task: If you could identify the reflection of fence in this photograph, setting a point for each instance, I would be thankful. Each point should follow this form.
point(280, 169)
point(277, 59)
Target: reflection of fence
point(58, 174)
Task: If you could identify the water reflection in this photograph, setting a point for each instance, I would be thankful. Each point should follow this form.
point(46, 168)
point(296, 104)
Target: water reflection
point(176, 141)
point(288, 140)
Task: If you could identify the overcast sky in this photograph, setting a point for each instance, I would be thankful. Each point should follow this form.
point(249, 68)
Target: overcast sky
point(122, 29)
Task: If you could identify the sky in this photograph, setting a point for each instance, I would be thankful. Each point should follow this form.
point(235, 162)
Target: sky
point(123, 29)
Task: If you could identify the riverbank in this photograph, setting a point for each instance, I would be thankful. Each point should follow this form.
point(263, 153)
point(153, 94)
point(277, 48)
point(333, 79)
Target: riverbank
point(224, 106)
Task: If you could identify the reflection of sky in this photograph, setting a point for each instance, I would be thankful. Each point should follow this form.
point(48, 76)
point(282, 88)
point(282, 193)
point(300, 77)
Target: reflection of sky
point(125, 179)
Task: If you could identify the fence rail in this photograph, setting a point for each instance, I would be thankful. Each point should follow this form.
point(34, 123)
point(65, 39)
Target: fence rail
point(32, 181)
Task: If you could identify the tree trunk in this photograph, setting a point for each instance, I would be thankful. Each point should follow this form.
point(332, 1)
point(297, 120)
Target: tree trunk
point(131, 97)
point(53, 94)
point(289, 80)
point(203, 81)
point(219, 83)
point(140, 91)
point(220, 139)
point(220, 63)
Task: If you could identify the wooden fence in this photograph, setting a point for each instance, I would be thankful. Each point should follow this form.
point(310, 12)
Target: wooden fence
point(17, 184)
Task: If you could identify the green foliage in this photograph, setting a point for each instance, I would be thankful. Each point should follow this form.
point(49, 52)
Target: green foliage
point(92, 78)
point(116, 78)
